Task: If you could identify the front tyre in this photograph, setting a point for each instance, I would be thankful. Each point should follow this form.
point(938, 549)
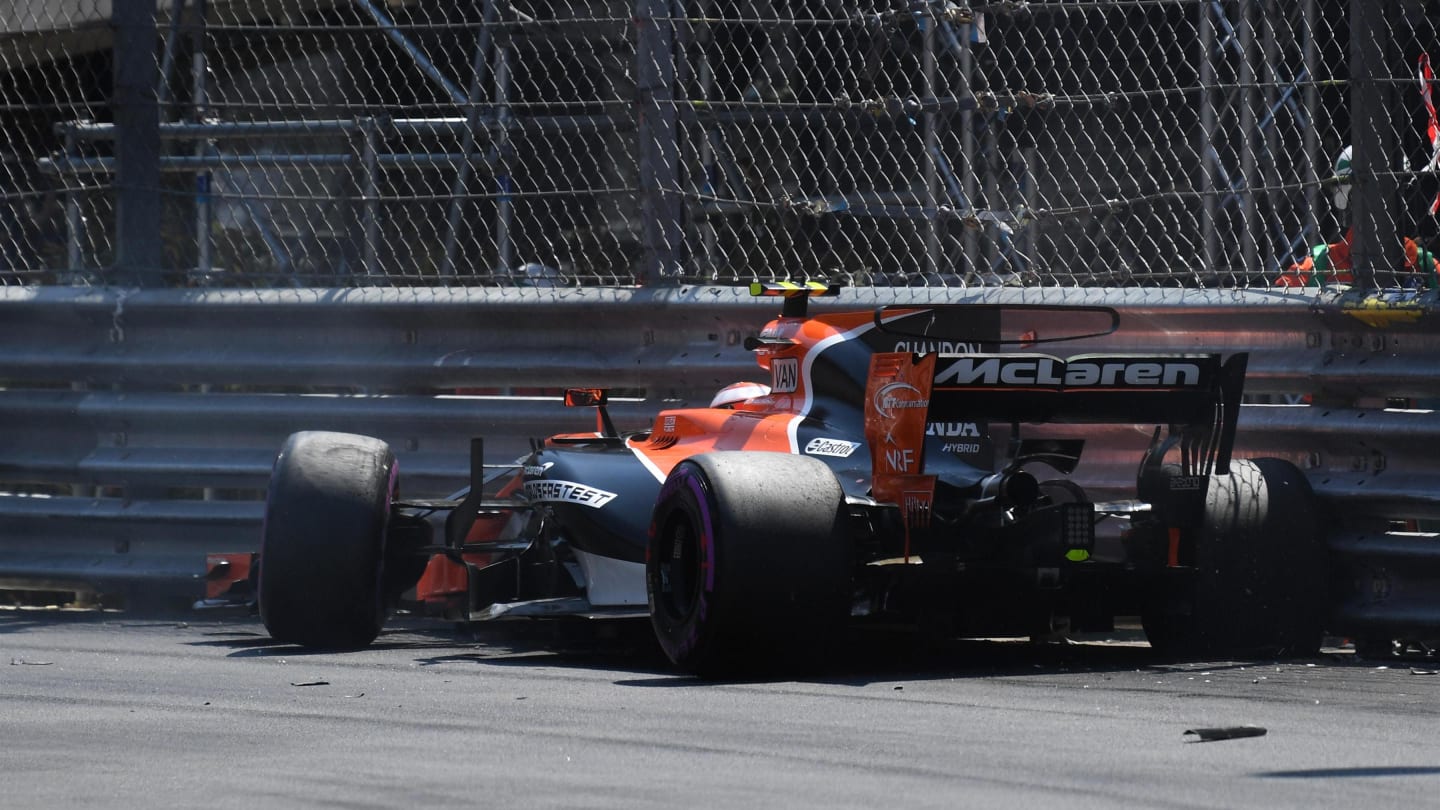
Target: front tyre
point(748, 565)
point(323, 546)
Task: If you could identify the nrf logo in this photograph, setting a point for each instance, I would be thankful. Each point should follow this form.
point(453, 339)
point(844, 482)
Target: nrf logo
point(896, 396)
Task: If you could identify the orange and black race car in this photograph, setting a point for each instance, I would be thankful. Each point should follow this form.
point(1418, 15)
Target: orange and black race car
point(900, 465)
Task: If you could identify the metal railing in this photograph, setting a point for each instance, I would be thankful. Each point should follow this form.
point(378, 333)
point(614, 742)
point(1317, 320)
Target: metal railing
point(139, 426)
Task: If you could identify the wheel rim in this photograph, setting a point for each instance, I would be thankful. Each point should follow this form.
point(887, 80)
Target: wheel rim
point(678, 567)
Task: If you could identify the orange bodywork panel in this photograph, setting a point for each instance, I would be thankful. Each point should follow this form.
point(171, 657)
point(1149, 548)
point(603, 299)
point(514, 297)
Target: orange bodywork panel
point(677, 435)
point(224, 572)
point(763, 423)
point(446, 579)
point(443, 578)
point(897, 400)
point(768, 422)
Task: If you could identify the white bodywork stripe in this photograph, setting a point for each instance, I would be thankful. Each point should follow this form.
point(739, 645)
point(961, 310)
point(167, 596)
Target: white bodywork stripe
point(645, 460)
point(793, 428)
point(609, 581)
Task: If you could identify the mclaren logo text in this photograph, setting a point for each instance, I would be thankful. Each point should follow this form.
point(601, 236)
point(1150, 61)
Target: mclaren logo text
point(897, 396)
point(1051, 372)
point(567, 492)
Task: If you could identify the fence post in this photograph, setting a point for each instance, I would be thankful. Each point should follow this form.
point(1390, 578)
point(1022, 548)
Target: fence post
point(1207, 178)
point(1249, 142)
point(1376, 243)
point(74, 222)
point(459, 187)
point(369, 187)
point(1310, 55)
point(931, 133)
point(136, 108)
point(657, 141)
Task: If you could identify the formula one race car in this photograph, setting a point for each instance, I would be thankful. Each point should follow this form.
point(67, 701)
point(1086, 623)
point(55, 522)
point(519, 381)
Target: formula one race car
point(896, 467)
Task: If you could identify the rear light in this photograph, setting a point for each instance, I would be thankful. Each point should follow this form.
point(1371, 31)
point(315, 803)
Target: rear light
point(1077, 530)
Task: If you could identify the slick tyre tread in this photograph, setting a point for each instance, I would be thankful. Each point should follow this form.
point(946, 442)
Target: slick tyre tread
point(1258, 584)
point(323, 545)
point(748, 567)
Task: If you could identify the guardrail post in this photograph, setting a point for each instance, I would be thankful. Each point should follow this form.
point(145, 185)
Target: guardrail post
point(136, 109)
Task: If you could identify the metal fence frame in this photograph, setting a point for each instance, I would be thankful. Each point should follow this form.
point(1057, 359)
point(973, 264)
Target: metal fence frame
point(1258, 62)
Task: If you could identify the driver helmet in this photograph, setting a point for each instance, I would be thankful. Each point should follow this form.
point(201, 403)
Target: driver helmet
point(736, 393)
point(1342, 174)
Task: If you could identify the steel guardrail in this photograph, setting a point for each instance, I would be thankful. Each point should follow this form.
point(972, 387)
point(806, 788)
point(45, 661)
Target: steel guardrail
point(143, 423)
point(675, 339)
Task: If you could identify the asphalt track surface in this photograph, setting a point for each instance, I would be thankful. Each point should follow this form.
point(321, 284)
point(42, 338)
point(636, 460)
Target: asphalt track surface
point(105, 710)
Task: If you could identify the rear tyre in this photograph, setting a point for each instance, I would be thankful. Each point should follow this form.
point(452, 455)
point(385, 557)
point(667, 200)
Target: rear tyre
point(323, 547)
point(1258, 583)
point(748, 566)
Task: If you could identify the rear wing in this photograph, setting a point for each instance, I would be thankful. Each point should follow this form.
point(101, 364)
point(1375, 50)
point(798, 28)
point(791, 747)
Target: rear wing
point(797, 294)
point(1088, 388)
point(1196, 395)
